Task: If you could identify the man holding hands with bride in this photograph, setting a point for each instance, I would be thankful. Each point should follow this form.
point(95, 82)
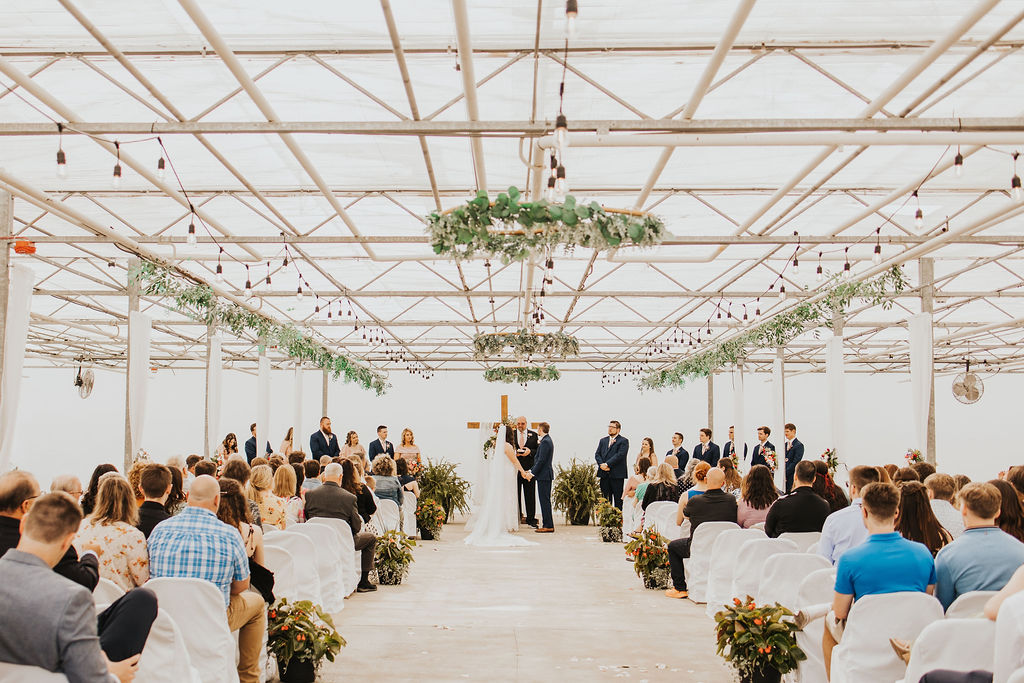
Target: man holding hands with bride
point(543, 473)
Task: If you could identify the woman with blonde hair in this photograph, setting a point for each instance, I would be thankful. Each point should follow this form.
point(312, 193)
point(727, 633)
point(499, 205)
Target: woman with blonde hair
point(353, 447)
point(408, 450)
point(258, 490)
point(733, 480)
point(662, 486)
point(123, 555)
point(284, 488)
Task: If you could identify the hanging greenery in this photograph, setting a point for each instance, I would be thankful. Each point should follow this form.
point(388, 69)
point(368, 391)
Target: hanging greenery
point(525, 343)
point(199, 302)
point(779, 330)
point(521, 374)
point(512, 229)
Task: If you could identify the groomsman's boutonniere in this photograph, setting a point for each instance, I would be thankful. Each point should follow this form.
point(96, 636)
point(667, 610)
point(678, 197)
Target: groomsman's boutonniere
point(769, 457)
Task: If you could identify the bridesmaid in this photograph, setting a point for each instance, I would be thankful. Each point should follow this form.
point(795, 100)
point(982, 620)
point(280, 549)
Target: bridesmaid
point(286, 445)
point(647, 451)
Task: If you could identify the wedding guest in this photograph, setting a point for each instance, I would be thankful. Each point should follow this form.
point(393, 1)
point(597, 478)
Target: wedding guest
point(1011, 518)
point(802, 510)
point(236, 468)
point(190, 475)
point(890, 472)
point(940, 489)
point(380, 445)
point(177, 462)
point(794, 451)
point(284, 489)
point(250, 445)
point(674, 464)
point(408, 450)
point(662, 486)
point(757, 495)
point(647, 451)
point(276, 461)
point(984, 557)
point(1015, 476)
point(323, 441)
point(408, 482)
point(310, 468)
point(763, 445)
point(50, 622)
point(707, 450)
point(111, 526)
point(641, 489)
point(845, 528)
point(233, 510)
point(353, 447)
point(730, 446)
point(272, 508)
point(197, 545)
point(287, 443)
point(961, 480)
point(903, 475)
point(352, 481)
point(300, 477)
point(681, 454)
point(826, 487)
point(611, 463)
point(733, 480)
point(923, 469)
point(686, 481)
point(325, 460)
point(296, 457)
point(228, 447)
point(156, 487)
point(208, 468)
point(69, 484)
point(387, 484)
point(331, 500)
point(700, 484)
point(135, 479)
point(639, 477)
point(915, 520)
point(713, 506)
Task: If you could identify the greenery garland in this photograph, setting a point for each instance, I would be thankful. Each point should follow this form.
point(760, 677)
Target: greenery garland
point(489, 443)
point(521, 374)
point(525, 343)
point(513, 230)
point(779, 330)
point(198, 301)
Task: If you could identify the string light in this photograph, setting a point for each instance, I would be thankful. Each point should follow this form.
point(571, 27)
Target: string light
point(561, 133)
point(572, 11)
point(958, 164)
point(919, 214)
point(1015, 188)
point(248, 283)
point(161, 169)
point(62, 159)
point(846, 266)
point(550, 193)
point(116, 180)
point(796, 266)
point(220, 269)
point(876, 258)
point(782, 292)
point(757, 311)
point(191, 238)
point(298, 292)
point(268, 272)
point(561, 185)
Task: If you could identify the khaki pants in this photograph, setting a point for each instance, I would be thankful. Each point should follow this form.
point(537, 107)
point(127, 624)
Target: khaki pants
point(247, 613)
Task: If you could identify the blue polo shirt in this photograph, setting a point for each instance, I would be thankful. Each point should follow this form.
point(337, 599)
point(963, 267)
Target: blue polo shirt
point(885, 563)
point(982, 559)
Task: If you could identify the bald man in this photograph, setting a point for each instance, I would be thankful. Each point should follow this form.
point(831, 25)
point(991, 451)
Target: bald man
point(714, 505)
point(525, 441)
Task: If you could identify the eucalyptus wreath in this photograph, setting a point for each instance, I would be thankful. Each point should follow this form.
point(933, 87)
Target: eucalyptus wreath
point(521, 374)
point(525, 343)
point(780, 329)
point(512, 229)
point(198, 301)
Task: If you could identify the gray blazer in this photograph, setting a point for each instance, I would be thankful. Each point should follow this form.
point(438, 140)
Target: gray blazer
point(48, 621)
point(330, 500)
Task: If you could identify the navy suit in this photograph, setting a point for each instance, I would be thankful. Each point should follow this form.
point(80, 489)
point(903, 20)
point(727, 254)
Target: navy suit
point(612, 479)
point(708, 452)
point(376, 449)
point(250, 449)
point(319, 446)
point(757, 459)
point(543, 474)
point(681, 455)
point(794, 454)
point(730, 451)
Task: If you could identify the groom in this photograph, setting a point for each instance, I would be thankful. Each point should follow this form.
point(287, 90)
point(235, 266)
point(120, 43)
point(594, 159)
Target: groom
point(544, 474)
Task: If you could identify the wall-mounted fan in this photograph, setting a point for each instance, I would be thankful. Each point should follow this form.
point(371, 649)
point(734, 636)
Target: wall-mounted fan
point(84, 380)
point(968, 387)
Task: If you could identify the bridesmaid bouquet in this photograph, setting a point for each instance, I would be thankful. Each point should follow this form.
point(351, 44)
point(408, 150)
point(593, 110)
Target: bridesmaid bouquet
point(831, 460)
point(769, 457)
point(913, 456)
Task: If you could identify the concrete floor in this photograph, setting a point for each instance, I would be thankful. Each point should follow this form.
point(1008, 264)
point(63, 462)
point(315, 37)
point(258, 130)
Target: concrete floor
point(568, 609)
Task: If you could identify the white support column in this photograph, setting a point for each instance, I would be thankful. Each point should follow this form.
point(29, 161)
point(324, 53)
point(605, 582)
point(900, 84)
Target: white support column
point(711, 402)
point(779, 416)
point(323, 398)
point(207, 427)
point(926, 273)
point(6, 230)
point(133, 305)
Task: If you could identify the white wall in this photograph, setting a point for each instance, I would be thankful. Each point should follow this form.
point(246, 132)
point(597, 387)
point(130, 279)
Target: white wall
point(58, 432)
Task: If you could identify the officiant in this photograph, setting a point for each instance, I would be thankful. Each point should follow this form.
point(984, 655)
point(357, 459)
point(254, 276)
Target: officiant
point(524, 441)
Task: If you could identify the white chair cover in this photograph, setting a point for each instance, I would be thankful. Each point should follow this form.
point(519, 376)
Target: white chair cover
point(955, 644)
point(804, 540)
point(746, 579)
point(865, 655)
point(1009, 638)
point(16, 673)
point(387, 517)
point(698, 564)
point(817, 588)
point(344, 532)
point(782, 575)
point(328, 564)
point(197, 607)
point(654, 515)
point(304, 557)
point(969, 605)
point(724, 555)
point(281, 562)
point(1016, 677)
point(409, 514)
point(106, 592)
point(165, 658)
point(759, 525)
point(628, 522)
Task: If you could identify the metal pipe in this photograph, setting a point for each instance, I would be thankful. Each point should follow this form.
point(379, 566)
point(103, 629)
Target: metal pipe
point(937, 138)
point(465, 47)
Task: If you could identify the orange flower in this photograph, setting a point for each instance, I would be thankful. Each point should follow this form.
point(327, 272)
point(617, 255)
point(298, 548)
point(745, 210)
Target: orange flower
point(273, 615)
point(751, 606)
point(761, 650)
point(736, 601)
point(768, 648)
point(758, 622)
point(285, 627)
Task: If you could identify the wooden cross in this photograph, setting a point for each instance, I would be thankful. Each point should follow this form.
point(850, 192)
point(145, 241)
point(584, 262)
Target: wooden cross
point(504, 416)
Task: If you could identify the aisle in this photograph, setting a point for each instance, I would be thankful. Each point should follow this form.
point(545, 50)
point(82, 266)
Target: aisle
point(570, 608)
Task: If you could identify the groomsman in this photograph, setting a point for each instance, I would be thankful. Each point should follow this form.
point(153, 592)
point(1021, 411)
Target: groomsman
point(250, 445)
point(380, 444)
point(707, 450)
point(323, 441)
point(525, 442)
point(682, 456)
point(730, 447)
point(763, 444)
point(794, 453)
point(544, 473)
point(611, 463)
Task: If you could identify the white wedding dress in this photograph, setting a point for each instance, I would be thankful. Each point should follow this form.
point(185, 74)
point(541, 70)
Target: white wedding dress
point(497, 516)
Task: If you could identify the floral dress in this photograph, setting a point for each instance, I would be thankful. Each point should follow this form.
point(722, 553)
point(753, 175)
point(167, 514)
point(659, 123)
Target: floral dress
point(124, 557)
point(273, 511)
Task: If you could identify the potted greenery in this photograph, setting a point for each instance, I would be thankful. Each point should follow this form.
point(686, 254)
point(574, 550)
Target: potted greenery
point(392, 557)
point(759, 642)
point(609, 518)
point(575, 491)
point(441, 482)
point(649, 551)
point(300, 636)
point(429, 518)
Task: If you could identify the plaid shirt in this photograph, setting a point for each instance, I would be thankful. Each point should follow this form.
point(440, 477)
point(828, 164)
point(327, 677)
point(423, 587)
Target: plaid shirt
point(195, 544)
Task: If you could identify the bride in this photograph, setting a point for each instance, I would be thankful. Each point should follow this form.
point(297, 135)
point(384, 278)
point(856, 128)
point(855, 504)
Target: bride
point(498, 514)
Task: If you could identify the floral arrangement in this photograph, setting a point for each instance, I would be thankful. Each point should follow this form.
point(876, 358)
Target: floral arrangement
point(301, 631)
point(521, 374)
point(913, 456)
point(415, 467)
point(198, 301)
point(441, 481)
point(392, 557)
point(489, 443)
point(575, 491)
point(831, 460)
point(769, 458)
point(513, 230)
point(609, 518)
point(757, 639)
point(525, 344)
point(780, 329)
point(430, 516)
point(649, 552)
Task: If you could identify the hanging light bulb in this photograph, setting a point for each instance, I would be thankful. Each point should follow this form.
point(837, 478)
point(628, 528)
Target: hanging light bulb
point(248, 284)
point(561, 132)
point(572, 11)
point(820, 275)
point(561, 185)
point(782, 292)
point(62, 164)
point(116, 179)
point(191, 238)
point(846, 271)
point(876, 258)
point(757, 311)
point(796, 266)
point(161, 169)
point(1015, 188)
point(550, 192)
point(958, 164)
point(220, 273)
point(298, 292)
point(746, 320)
point(919, 218)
